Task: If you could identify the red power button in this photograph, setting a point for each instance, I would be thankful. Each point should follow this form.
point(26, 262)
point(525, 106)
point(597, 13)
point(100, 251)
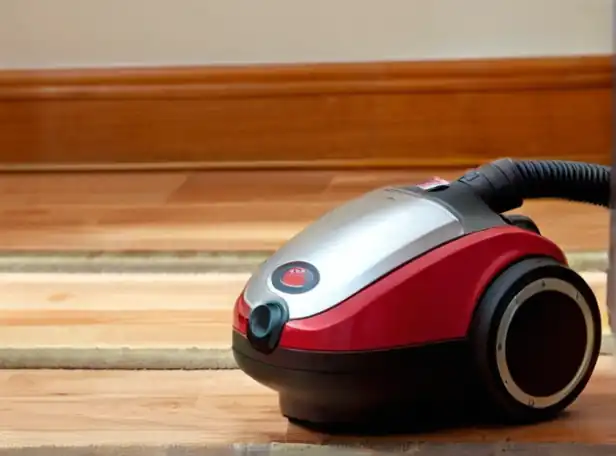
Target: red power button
point(294, 277)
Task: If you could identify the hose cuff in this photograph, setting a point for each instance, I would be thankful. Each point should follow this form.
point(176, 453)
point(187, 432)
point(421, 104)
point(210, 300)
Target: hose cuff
point(495, 184)
point(504, 184)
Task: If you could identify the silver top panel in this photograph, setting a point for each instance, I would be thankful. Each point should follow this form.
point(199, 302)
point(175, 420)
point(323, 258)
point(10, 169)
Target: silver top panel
point(354, 245)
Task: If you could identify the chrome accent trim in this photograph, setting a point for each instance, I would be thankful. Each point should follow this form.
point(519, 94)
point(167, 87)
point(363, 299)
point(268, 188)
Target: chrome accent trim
point(354, 245)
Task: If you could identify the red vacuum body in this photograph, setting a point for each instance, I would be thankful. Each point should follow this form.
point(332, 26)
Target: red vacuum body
point(412, 298)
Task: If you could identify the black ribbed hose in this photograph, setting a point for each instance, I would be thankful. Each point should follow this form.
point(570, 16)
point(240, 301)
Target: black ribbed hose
point(505, 184)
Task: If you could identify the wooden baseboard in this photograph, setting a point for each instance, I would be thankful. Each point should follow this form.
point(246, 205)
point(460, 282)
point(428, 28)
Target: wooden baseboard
point(395, 114)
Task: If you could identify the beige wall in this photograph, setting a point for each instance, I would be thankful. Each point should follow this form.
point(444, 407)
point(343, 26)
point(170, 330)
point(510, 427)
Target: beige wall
point(56, 33)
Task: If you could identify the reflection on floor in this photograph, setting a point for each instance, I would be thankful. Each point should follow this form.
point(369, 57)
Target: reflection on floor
point(234, 210)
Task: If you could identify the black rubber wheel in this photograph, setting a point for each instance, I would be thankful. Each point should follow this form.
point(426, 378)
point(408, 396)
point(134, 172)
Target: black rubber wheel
point(535, 337)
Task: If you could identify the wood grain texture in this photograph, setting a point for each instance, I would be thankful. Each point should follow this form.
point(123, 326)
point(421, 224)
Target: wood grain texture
point(136, 311)
point(117, 310)
point(212, 408)
point(219, 210)
point(391, 114)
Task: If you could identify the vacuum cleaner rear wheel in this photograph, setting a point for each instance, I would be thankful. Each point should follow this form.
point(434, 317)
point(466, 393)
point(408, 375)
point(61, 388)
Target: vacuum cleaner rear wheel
point(535, 336)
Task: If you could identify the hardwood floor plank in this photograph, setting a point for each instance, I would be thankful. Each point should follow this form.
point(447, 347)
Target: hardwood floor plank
point(212, 408)
point(96, 189)
point(117, 310)
point(135, 329)
point(218, 210)
point(119, 292)
point(137, 311)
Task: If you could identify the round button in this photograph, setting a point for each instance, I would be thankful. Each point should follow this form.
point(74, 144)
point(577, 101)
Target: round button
point(295, 277)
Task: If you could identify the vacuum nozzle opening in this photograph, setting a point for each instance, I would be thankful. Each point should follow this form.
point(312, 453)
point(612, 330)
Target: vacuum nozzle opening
point(265, 324)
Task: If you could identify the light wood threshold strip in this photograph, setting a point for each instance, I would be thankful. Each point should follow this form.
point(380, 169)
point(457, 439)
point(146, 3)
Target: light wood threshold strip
point(187, 262)
point(124, 358)
point(133, 321)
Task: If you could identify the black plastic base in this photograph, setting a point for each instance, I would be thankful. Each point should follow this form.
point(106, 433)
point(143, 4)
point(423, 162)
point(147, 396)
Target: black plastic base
point(377, 389)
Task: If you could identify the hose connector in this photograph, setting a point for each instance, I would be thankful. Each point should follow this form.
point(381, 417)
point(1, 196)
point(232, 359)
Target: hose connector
point(504, 184)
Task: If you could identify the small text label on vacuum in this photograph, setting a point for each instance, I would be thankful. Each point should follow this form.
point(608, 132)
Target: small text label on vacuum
point(434, 183)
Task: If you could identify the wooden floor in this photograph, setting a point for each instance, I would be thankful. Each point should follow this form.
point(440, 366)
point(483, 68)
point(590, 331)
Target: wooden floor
point(138, 311)
point(218, 210)
point(213, 408)
point(118, 310)
point(173, 211)
point(181, 211)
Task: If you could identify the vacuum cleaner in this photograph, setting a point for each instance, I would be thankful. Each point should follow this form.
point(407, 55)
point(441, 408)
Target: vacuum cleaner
point(422, 296)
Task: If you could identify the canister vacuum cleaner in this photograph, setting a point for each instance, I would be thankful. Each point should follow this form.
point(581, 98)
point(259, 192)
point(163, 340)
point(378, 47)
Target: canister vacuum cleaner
point(412, 297)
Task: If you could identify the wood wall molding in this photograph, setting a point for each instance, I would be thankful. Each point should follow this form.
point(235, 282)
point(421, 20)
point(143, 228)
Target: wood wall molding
point(393, 114)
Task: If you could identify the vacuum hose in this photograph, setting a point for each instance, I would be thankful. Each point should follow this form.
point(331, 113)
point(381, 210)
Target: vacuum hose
point(505, 184)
